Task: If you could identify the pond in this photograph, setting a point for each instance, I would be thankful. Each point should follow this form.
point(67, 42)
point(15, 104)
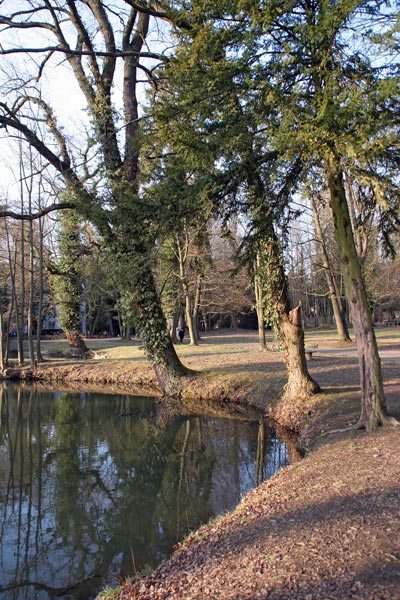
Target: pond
point(95, 487)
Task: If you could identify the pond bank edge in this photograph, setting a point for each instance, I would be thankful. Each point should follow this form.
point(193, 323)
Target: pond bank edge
point(213, 389)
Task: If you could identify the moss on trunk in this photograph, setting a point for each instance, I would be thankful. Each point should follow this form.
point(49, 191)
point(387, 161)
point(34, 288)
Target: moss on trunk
point(373, 405)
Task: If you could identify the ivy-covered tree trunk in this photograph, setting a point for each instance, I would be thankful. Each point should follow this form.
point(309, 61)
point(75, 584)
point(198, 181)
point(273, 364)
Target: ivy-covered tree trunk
point(288, 323)
point(258, 291)
point(152, 328)
point(67, 282)
point(373, 404)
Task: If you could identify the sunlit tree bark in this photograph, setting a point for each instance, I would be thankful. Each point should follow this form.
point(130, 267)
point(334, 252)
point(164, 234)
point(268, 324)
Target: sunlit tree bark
point(287, 320)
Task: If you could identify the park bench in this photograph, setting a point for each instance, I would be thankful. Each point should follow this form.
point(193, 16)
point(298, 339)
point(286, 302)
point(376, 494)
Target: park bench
point(309, 351)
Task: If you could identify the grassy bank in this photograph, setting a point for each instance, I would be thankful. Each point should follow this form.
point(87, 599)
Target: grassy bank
point(233, 370)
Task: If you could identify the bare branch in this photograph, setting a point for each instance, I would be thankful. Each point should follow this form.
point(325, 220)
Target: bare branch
point(155, 9)
point(52, 124)
point(108, 35)
point(37, 215)
point(84, 39)
point(9, 119)
point(69, 51)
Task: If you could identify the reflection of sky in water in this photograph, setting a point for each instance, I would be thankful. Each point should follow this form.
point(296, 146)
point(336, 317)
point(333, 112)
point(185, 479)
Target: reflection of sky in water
point(82, 488)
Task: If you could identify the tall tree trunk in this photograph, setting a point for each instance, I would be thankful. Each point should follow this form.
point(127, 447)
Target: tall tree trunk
point(31, 297)
point(12, 265)
point(196, 305)
point(110, 324)
point(373, 404)
point(39, 319)
point(7, 327)
point(30, 314)
point(182, 254)
point(152, 327)
point(20, 329)
point(194, 340)
point(2, 336)
point(360, 234)
point(341, 325)
point(120, 324)
point(288, 323)
point(259, 302)
point(206, 322)
point(172, 325)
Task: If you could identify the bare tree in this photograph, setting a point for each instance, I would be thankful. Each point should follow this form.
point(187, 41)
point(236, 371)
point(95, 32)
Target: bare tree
point(92, 37)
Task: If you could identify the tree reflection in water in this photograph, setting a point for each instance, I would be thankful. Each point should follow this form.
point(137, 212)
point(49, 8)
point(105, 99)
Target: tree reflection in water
point(90, 482)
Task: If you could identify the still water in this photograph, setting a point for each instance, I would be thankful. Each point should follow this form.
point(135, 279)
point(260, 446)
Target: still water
point(95, 486)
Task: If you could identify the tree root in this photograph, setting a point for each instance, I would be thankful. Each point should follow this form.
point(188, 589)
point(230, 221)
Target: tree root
point(386, 421)
point(357, 426)
point(390, 422)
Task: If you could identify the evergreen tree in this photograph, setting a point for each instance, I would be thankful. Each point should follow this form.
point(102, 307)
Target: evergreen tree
point(326, 99)
point(214, 122)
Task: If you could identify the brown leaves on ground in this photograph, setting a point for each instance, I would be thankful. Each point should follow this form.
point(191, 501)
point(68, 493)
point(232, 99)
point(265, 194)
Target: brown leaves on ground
point(325, 528)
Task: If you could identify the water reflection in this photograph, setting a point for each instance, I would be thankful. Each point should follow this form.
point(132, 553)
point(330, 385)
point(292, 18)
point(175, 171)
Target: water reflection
point(90, 483)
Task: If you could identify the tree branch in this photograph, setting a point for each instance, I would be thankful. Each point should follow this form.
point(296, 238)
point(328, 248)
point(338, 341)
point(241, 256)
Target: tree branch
point(37, 215)
point(155, 9)
point(9, 119)
point(71, 52)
